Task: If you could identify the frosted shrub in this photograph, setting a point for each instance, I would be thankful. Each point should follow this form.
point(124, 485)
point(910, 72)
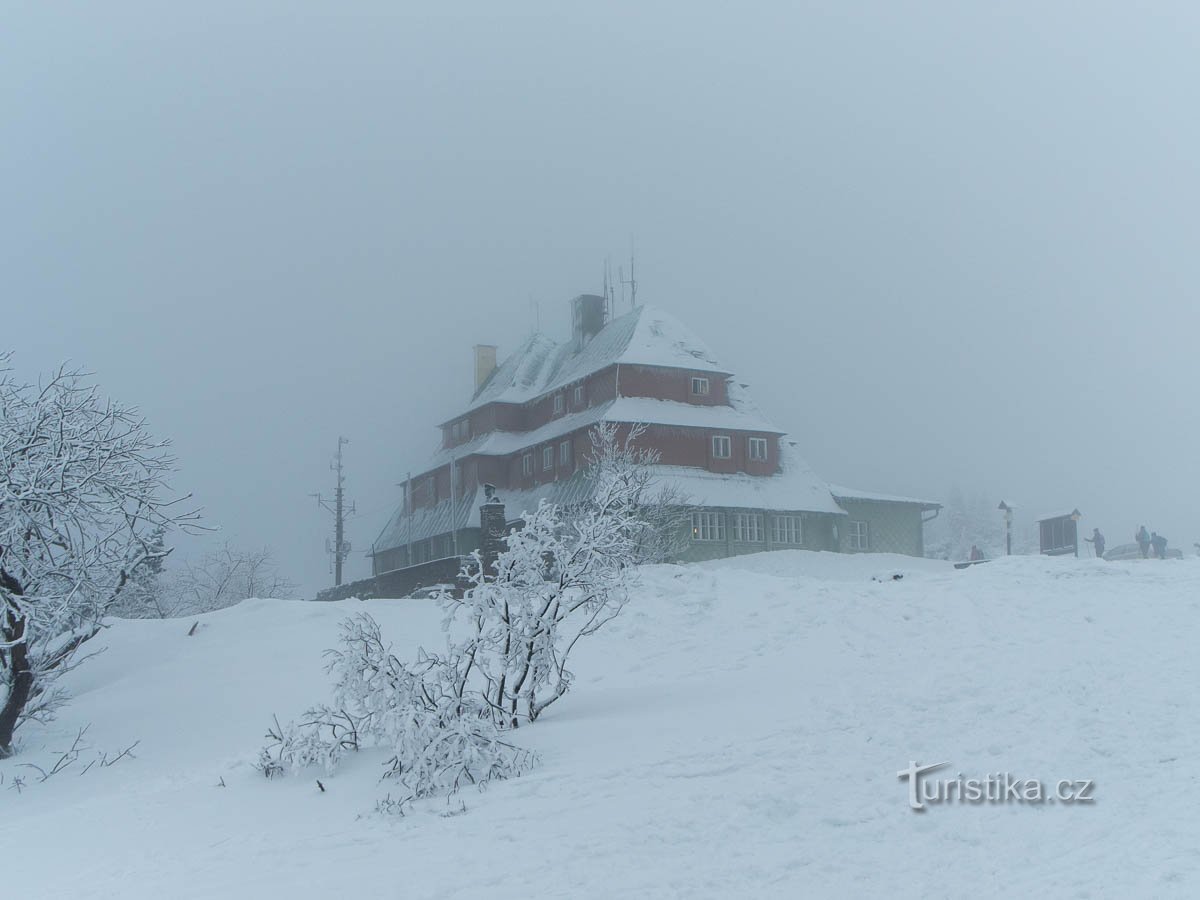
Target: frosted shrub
point(445, 718)
point(439, 738)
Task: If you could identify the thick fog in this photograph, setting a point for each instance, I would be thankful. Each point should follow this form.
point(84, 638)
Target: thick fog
point(944, 245)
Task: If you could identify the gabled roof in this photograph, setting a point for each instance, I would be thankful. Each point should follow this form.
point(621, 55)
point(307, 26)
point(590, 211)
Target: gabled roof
point(645, 336)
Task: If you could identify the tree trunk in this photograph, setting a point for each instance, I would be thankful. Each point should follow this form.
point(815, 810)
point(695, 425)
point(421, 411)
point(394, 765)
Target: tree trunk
point(20, 687)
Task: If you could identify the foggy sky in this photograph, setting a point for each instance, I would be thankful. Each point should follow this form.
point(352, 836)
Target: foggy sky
point(944, 245)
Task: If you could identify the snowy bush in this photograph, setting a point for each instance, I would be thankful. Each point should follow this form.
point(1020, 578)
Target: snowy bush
point(439, 738)
point(445, 718)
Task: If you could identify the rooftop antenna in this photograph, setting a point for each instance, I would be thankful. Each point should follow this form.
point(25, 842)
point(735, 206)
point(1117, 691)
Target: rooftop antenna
point(621, 279)
point(632, 282)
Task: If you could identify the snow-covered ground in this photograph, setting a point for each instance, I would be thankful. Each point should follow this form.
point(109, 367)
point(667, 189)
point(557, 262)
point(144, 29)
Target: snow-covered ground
point(736, 733)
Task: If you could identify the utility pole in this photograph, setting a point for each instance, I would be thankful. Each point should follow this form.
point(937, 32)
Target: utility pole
point(340, 548)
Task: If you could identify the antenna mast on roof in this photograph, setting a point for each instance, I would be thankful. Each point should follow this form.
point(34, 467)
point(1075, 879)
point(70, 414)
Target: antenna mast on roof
point(610, 289)
point(632, 282)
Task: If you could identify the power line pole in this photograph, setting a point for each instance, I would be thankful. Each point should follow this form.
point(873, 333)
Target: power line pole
point(340, 548)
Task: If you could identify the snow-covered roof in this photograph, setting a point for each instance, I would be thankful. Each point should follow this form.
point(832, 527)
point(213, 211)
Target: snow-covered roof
point(845, 493)
point(1057, 515)
point(796, 487)
point(645, 336)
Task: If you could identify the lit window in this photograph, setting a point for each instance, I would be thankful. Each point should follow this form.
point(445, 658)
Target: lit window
point(858, 536)
point(747, 527)
point(721, 446)
point(527, 464)
point(786, 530)
point(700, 387)
point(758, 449)
point(547, 458)
point(708, 526)
point(564, 453)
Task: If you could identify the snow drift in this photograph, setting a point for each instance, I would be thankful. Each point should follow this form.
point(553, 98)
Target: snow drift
point(736, 732)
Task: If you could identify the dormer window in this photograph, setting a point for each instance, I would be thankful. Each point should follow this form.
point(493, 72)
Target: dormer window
point(758, 449)
point(558, 404)
point(699, 387)
point(578, 396)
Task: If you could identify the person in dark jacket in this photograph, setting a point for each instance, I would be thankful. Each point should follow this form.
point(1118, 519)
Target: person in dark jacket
point(1143, 541)
point(1159, 543)
point(1097, 539)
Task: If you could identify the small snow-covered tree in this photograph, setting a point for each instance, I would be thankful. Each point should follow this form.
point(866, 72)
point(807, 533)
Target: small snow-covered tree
point(439, 733)
point(82, 495)
point(561, 578)
point(510, 638)
point(660, 513)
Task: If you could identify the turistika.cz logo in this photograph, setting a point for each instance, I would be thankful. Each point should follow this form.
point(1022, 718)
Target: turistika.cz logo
point(997, 787)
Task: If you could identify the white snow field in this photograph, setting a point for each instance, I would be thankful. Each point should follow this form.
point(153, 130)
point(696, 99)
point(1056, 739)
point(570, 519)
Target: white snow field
point(736, 733)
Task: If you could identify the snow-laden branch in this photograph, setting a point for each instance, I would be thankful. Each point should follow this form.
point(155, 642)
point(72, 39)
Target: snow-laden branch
point(83, 486)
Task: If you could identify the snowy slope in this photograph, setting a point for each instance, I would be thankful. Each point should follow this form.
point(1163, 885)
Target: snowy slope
point(736, 733)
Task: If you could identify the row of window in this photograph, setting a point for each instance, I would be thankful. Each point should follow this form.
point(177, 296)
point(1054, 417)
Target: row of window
point(564, 458)
point(747, 527)
point(722, 447)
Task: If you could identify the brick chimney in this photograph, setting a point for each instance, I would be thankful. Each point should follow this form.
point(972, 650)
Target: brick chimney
point(485, 363)
point(587, 318)
point(491, 530)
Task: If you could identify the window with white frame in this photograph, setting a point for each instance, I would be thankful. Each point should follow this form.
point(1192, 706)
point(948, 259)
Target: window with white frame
point(721, 446)
point(558, 403)
point(578, 395)
point(758, 449)
point(748, 527)
point(700, 387)
point(708, 526)
point(786, 530)
point(857, 536)
point(564, 453)
point(527, 464)
point(548, 458)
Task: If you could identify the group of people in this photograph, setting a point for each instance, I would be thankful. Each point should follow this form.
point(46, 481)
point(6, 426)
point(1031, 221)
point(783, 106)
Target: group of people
point(1147, 541)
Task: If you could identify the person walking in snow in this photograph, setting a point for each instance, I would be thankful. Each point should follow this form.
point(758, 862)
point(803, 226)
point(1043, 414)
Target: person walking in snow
point(1097, 540)
point(1160, 544)
point(1143, 541)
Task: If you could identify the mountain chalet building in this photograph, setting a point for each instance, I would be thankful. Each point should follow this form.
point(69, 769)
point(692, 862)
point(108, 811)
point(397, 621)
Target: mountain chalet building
point(526, 431)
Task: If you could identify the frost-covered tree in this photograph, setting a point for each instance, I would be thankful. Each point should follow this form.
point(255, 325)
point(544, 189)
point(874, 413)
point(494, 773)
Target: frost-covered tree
point(661, 517)
point(83, 495)
point(216, 580)
point(560, 578)
point(510, 638)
